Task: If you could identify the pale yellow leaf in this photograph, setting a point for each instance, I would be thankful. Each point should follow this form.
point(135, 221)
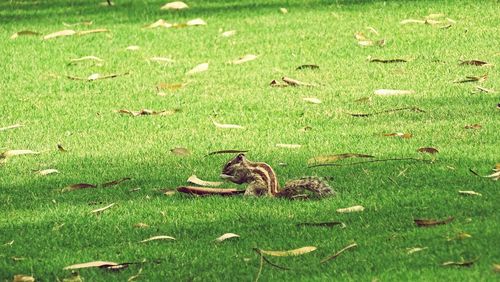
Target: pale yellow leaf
point(199, 68)
point(99, 30)
point(351, 209)
point(91, 264)
point(284, 10)
point(132, 48)
point(496, 267)
point(227, 236)
point(228, 33)
point(414, 250)
point(47, 171)
point(365, 43)
point(196, 22)
point(227, 126)
point(295, 252)
point(23, 278)
point(471, 193)
point(195, 180)
point(312, 100)
point(155, 238)
point(87, 58)
point(177, 5)
point(160, 23)
point(12, 153)
point(289, 146)
point(392, 92)
point(67, 32)
point(179, 151)
point(244, 59)
point(94, 76)
point(161, 60)
point(11, 127)
point(103, 209)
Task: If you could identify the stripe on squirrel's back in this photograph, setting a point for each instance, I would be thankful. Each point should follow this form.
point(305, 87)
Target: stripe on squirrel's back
point(271, 179)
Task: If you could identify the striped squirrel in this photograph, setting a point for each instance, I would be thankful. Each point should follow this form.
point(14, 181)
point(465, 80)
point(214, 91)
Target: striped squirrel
point(262, 181)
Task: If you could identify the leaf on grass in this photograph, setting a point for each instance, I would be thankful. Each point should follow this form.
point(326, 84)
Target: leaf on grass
point(469, 193)
point(295, 252)
point(289, 146)
point(226, 126)
point(333, 158)
point(179, 151)
point(275, 83)
point(23, 278)
point(11, 127)
point(132, 48)
point(429, 150)
point(351, 209)
point(307, 66)
point(23, 33)
point(141, 225)
point(386, 61)
point(244, 59)
point(475, 63)
point(170, 86)
point(284, 10)
point(483, 89)
point(322, 224)
point(86, 58)
point(67, 32)
point(47, 171)
point(495, 175)
point(294, 82)
point(99, 30)
point(312, 100)
point(91, 264)
point(115, 182)
point(479, 79)
point(399, 134)
point(460, 236)
point(432, 222)
point(146, 112)
point(465, 263)
point(392, 92)
point(162, 60)
point(227, 236)
point(102, 209)
point(228, 33)
point(202, 191)
point(157, 238)
point(496, 267)
point(159, 23)
point(13, 153)
point(227, 152)
point(353, 245)
point(414, 250)
point(473, 126)
point(177, 5)
point(193, 179)
point(196, 22)
point(169, 193)
point(199, 68)
point(78, 186)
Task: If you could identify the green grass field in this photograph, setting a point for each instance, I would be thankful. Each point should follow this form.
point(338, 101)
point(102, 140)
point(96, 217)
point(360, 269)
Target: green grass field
point(43, 230)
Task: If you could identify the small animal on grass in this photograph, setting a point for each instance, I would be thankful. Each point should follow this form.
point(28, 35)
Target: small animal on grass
point(262, 181)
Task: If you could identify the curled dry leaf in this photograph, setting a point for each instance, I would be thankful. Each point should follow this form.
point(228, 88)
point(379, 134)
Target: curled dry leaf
point(67, 32)
point(227, 152)
point(289, 146)
point(103, 208)
point(275, 83)
point(307, 66)
point(196, 22)
point(132, 48)
point(115, 182)
point(13, 153)
point(386, 61)
point(467, 79)
point(177, 5)
point(351, 209)
point(294, 82)
point(179, 151)
point(99, 30)
point(228, 33)
point(244, 59)
point(333, 158)
point(23, 33)
point(11, 127)
point(432, 222)
point(146, 112)
point(414, 250)
point(429, 150)
point(475, 63)
point(312, 100)
point(202, 191)
point(199, 68)
point(78, 186)
point(156, 238)
point(295, 252)
point(469, 193)
point(47, 171)
point(226, 126)
point(23, 278)
point(473, 126)
point(91, 264)
point(465, 263)
point(399, 134)
point(193, 179)
point(392, 92)
point(353, 245)
point(227, 236)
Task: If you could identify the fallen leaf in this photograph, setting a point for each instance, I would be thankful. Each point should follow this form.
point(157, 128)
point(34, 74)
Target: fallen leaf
point(386, 61)
point(23, 278)
point(460, 263)
point(23, 33)
point(202, 191)
point(115, 182)
point(333, 158)
point(94, 76)
point(156, 238)
point(469, 193)
point(159, 23)
point(180, 151)
point(399, 134)
point(61, 148)
point(283, 10)
point(146, 112)
point(472, 79)
point(414, 250)
point(351, 209)
point(275, 83)
point(473, 126)
point(244, 59)
point(47, 171)
point(307, 66)
point(91, 264)
point(196, 22)
point(353, 245)
point(475, 63)
point(294, 82)
point(495, 175)
point(392, 92)
point(228, 33)
point(78, 187)
point(295, 252)
point(227, 152)
point(177, 5)
point(141, 225)
point(322, 224)
point(227, 126)
point(11, 127)
point(103, 208)
point(312, 100)
point(85, 23)
point(162, 60)
point(169, 193)
point(133, 48)
point(67, 32)
point(170, 86)
point(85, 32)
point(460, 236)
point(199, 68)
point(13, 153)
point(483, 89)
point(227, 236)
point(289, 146)
point(496, 267)
point(432, 222)
point(86, 58)
point(429, 150)
point(195, 180)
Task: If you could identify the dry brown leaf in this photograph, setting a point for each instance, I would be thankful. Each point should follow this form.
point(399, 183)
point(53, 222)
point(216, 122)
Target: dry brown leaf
point(333, 158)
point(115, 182)
point(432, 222)
point(202, 191)
point(307, 66)
point(23, 33)
point(141, 225)
point(386, 61)
point(289, 146)
point(294, 82)
point(228, 33)
point(469, 193)
point(99, 30)
point(226, 126)
point(496, 267)
point(475, 63)
point(11, 127)
point(146, 112)
point(91, 264)
point(47, 171)
point(177, 5)
point(244, 59)
point(295, 252)
point(351, 209)
point(353, 245)
point(179, 151)
point(67, 32)
point(478, 79)
point(86, 58)
point(132, 48)
point(312, 100)
point(23, 278)
point(156, 238)
point(199, 68)
point(196, 22)
point(170, 86)
point(429, 150)
point(465, 263)
point(78, 187)
point(414, 250)
point(96, 211)
point(227, 236)
point(195, 180)
point(13, 153)
point(392, 92)
point(227, 152)
point(399, 134)
point(473, 126)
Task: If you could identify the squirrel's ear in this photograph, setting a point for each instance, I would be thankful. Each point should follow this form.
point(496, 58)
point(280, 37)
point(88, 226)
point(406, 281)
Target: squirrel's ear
point(241, 157)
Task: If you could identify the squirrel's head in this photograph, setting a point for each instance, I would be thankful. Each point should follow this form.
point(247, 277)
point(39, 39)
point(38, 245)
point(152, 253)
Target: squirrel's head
point(231, 166)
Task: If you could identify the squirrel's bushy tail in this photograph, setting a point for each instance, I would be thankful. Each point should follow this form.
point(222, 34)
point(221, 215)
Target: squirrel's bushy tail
point(305, 188)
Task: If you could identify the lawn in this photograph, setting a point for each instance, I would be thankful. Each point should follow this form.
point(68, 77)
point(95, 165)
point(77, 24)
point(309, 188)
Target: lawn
point(45, 228)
